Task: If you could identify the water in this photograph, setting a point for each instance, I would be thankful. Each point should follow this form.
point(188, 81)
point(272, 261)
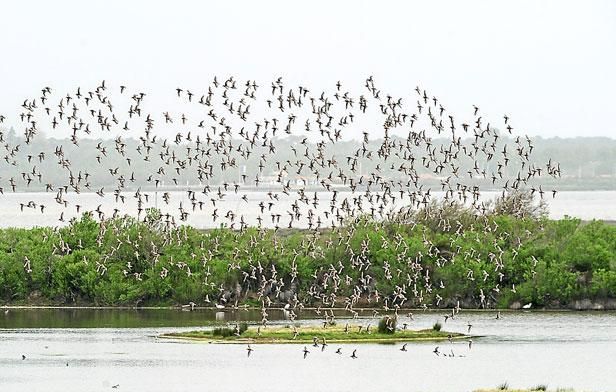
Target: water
point(560, 349)
point(581, 204)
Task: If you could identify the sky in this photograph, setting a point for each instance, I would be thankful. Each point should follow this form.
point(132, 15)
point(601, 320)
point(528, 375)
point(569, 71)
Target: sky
point(547, 64)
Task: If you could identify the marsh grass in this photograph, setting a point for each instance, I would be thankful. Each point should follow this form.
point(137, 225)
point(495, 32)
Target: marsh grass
point(306, 335)
point(387, 325)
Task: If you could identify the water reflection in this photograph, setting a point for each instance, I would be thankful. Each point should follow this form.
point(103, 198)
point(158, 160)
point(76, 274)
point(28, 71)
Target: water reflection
point(118, 318)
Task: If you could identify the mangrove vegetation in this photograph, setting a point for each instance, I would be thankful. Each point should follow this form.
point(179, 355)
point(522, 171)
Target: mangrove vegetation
point(126, 261)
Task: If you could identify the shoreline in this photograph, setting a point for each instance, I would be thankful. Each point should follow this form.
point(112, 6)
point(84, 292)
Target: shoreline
point(256, 308)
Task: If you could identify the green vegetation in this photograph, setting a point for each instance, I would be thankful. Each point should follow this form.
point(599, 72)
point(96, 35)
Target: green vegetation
point(387, 325)
point(437, 326)
point(225, 332)
point(308, 334)
point(124, 261)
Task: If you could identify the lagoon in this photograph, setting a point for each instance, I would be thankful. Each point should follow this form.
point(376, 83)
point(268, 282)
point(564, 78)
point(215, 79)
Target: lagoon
point(524, 349)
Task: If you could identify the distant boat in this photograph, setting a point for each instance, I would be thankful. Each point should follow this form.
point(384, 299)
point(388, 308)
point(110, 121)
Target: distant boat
point(527, 306)
point(219, 306)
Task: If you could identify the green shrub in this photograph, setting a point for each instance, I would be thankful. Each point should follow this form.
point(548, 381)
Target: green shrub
point(558, 262)
point(223, 332)
point(387, 325)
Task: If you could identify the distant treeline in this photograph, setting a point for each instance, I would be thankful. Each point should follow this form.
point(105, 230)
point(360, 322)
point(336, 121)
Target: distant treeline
point(122, 261)
point(586, 163)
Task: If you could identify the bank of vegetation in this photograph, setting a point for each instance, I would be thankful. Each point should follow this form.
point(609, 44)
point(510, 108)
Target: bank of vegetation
point(125, 261)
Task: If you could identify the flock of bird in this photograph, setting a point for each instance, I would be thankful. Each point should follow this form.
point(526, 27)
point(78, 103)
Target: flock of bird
point(222, 126)
point(223, 133)
point(366, 329)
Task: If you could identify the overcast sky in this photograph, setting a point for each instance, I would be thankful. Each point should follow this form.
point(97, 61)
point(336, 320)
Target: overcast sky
point(548, 64)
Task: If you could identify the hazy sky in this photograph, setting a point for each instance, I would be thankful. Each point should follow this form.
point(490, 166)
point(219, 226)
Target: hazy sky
point(548, 64)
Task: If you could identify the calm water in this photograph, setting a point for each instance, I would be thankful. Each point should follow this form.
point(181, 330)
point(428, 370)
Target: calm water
point(581, 204)
point(560, 349)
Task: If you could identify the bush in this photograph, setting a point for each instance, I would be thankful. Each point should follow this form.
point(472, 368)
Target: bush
point(555, 263)
point(243, 327)
point(437, 326)
point(387, 325)
point(520, 204)
point(223, 332)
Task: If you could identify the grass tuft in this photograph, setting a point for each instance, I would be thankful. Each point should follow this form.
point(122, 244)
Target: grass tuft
point(387, 325)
